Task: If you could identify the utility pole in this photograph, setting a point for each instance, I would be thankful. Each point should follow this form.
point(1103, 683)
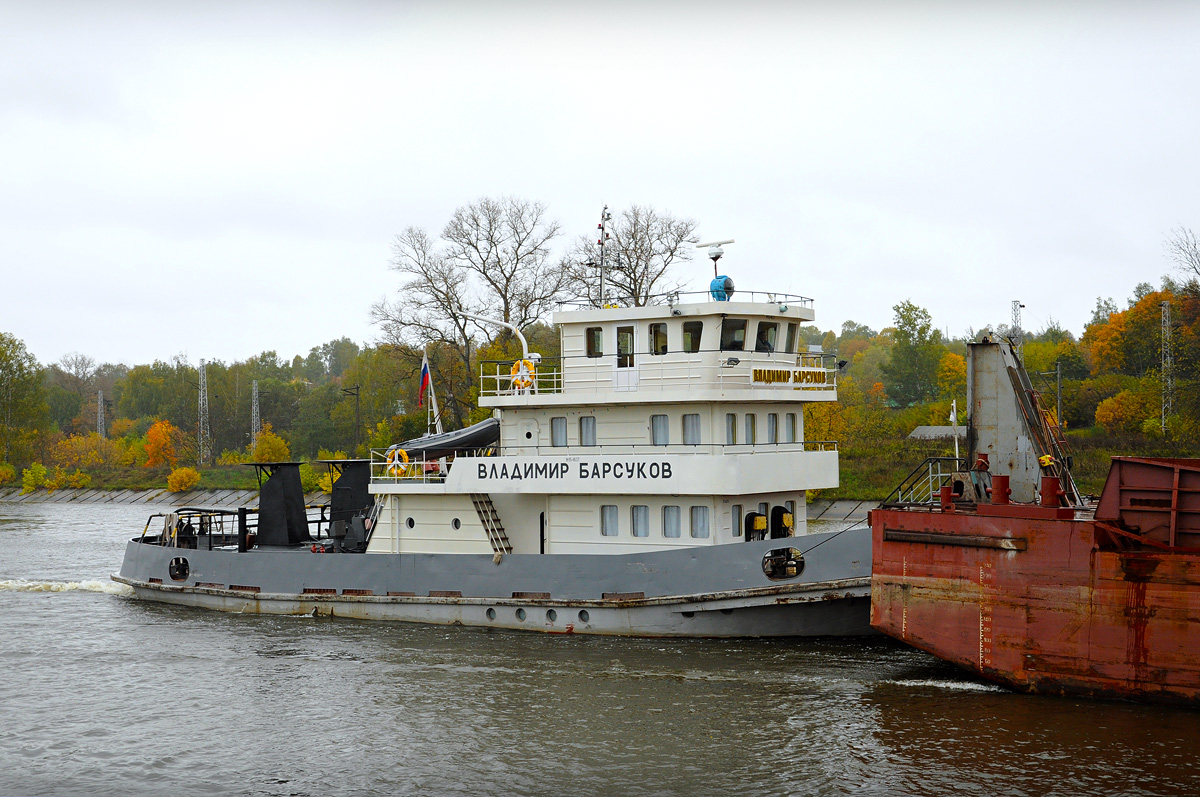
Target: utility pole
point(1017, 333)
point(100, 414)
point(204, 441)
point(1168, 377)
point(255, 421)
point(353, 391)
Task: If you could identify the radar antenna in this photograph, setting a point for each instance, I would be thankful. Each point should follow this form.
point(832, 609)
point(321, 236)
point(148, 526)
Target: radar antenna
point(715, 252)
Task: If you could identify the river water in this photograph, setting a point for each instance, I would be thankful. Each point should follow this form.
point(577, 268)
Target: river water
point(103, 694)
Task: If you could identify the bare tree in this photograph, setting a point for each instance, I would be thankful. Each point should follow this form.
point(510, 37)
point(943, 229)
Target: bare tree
point(494, 260)
point(1184, 249)
point(76, 372)
point(642, 247)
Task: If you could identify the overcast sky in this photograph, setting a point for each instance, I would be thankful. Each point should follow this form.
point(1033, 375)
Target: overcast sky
point(218, 179)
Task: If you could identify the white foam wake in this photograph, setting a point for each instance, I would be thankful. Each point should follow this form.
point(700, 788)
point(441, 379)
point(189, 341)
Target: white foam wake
point(963, 686)
point(94, 585)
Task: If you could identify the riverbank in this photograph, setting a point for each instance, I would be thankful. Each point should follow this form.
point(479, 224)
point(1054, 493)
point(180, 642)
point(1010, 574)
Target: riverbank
point(206, 498)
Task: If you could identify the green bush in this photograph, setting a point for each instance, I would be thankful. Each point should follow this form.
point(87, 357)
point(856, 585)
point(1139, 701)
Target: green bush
point(309, 477)
point(33, 477)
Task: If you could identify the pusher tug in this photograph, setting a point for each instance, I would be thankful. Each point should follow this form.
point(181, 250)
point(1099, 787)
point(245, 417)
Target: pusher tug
point(651, 482)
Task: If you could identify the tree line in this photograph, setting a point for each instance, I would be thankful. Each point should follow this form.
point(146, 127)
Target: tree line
point(502, 258)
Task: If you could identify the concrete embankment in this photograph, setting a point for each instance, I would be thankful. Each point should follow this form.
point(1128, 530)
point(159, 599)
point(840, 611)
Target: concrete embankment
point(842, 512)
point(205, 498)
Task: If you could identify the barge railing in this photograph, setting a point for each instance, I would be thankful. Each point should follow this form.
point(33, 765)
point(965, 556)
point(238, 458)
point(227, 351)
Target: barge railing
point(923, 486)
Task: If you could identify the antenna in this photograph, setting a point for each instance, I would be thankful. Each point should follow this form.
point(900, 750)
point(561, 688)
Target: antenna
point(203, 434)
point(1017, 335)
point(100, 414)
point(1168, 377)
point(255, 422)
point(715, 252)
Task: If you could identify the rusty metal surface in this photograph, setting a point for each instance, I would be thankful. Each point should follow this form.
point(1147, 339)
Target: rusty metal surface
point(1157, 498)
point(1061, 616)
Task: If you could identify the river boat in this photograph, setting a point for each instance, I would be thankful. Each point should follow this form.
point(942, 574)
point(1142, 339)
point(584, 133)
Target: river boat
point(1004, 569)
point(650, 481)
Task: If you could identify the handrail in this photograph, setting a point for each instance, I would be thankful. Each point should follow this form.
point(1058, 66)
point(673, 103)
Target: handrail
point(922, 486)
point(672, 298)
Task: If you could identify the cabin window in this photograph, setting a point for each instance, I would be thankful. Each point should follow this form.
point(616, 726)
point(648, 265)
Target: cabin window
point(733, 334)
point(624, 347)
point(594, 337)
point(639, 521)
point(765, 340)
point(691, 429)
point(736, 514)
point(658, 338)
point(691, 336)
point(790, 343)
point(660, 430)
point(750, 439)
point(772, 427)
point(731, 428)
point(670, 521)
point(558, 432)
point(789, 428)
point(608, 520)
point(790, 506)
point(700, 522)
point(764, 509)
point(587, 430)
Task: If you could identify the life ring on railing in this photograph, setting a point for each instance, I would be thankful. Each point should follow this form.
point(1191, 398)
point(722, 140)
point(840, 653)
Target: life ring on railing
point(397, 462)
point(522, 374)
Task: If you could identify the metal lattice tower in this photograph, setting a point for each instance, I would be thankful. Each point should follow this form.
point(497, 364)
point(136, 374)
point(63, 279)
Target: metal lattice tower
point(255, 422)
point(1168, 376)
point(1018, 335)
point(204, 437)
point(100, 414)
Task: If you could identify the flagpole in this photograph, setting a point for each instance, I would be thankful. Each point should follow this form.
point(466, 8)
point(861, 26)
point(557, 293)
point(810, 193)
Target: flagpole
point(954, 421)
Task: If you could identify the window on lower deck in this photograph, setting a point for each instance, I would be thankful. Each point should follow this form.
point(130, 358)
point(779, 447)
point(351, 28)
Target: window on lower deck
point(789, 427)
point(731, 428)
point(587, 430)
point(660, 430)
point(736, 514)
point(699, 522)
point(639, 521)
point(608, 520)
point(558, 432)
point(772, 427)
point(691, 429)
point(750, 438)
point(670, 521)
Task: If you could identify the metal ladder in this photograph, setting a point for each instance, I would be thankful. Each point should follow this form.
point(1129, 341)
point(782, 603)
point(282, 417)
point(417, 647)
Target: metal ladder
point(491, 522)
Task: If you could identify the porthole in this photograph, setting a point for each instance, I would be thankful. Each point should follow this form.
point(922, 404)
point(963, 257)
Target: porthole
point(781, 564)
point(179, 568)
point(529, 435)
point(410, 523)
point(521, 615)
point(491, 614)
point(689, 615)
point(583, 616)
point(551, 615)
point(456, 524)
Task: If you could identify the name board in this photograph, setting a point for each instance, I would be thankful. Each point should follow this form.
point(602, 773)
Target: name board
point(768, 376)
point(579, 470)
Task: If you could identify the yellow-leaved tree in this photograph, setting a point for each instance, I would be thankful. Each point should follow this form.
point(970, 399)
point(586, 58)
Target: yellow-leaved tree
point(160, 444)
point(270, 447)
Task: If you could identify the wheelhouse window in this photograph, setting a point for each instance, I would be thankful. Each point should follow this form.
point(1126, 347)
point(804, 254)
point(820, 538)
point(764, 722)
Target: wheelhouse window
point(587, 430)
point(733, 334)
point(608, 520)
point(736, 516)
point(691, 429)
point(700, 522)
point(624, 347)
point(692, 331)
point(639, 521)
point(731, 428)
point(594, 339)
point(670, 521)
point(750, 438)
point(660, 430)
point(658, 338)
point(789, 428)
point(558, 432)
point(765, 340)
point(790, 343)
point(772, 427)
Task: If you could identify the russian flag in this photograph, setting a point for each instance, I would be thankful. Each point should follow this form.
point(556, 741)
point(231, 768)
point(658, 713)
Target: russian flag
point(425, 379)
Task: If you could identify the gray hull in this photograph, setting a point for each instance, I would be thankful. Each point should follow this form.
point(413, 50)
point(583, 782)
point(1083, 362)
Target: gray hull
point(711, 591)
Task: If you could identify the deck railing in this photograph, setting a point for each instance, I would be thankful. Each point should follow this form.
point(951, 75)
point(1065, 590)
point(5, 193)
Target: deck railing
point(924, 484)
point(696, 297)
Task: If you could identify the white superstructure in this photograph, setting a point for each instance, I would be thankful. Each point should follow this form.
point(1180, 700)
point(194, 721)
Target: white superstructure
point(660, 427)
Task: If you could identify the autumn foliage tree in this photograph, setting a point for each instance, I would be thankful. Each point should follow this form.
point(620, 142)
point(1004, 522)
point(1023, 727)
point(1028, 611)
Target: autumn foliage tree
point(161, 443)
point(270, 447)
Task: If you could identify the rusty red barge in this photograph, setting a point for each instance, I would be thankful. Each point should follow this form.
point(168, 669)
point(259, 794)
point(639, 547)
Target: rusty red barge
point(995, 562)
